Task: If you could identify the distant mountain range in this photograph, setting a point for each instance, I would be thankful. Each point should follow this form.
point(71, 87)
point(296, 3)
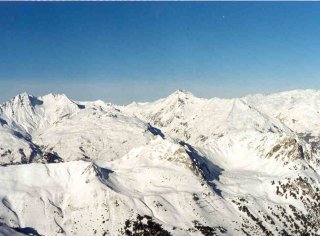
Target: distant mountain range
point(181, 165)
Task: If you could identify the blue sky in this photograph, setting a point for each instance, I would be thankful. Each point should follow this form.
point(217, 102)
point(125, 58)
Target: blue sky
point(120, 52)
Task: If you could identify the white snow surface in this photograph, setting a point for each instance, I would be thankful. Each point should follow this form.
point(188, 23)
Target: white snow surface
point(181, 165)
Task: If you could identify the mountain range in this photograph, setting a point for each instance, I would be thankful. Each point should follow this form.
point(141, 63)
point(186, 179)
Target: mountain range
point(181, 165)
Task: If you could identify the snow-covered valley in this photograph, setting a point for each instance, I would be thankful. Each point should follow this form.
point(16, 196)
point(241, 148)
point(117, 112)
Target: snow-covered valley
point(181, 165)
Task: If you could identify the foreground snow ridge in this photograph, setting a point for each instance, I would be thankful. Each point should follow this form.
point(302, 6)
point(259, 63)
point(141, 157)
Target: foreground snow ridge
point(181, 165)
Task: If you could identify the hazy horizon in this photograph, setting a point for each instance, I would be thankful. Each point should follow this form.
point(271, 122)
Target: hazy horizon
point(160, 97)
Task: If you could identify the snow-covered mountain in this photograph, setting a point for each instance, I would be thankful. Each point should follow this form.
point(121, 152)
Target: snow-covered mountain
point(181, 165)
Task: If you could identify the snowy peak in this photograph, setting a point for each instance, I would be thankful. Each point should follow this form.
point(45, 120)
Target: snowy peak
point(232, 132)
point(181, 93)
point(180, 96)
point(55, 128)
point(30, 100)
point(23, 99)
point(244, 116)
point(298, 109)
point(56, 97)
point(30, 113)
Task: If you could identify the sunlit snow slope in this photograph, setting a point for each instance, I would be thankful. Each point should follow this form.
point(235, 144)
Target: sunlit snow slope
point(181, 165)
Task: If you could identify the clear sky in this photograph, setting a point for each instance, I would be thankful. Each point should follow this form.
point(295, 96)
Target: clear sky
point(120, 52)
